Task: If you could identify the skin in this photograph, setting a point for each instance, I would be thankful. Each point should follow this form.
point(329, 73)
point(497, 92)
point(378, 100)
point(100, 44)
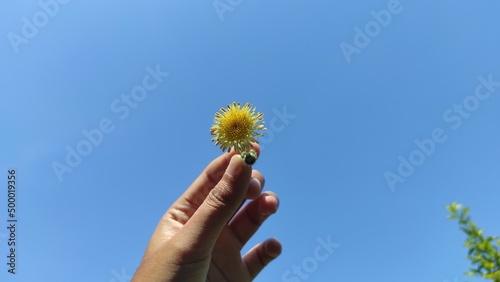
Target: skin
point(201, 235)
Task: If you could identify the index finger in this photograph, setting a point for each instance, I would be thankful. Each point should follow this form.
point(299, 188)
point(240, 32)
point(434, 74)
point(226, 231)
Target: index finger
point(206, 181)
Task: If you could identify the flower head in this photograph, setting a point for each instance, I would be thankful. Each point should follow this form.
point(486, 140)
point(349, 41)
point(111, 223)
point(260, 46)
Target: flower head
point(236, 126)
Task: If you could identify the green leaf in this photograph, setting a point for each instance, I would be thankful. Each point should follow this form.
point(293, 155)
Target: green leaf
point(465, 211)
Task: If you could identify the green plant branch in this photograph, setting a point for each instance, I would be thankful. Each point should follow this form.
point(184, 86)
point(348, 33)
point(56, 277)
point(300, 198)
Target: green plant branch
point(484, 252)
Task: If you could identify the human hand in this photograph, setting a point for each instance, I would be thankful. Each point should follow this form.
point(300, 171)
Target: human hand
point(198, 239)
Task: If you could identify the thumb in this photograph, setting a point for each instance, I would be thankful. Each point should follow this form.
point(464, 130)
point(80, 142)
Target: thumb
point(206, 224)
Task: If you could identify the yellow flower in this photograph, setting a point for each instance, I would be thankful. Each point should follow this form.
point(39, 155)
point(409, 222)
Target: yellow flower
point(236, 126)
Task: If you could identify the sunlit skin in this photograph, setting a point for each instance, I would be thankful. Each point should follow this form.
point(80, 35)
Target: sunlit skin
point(201, 235)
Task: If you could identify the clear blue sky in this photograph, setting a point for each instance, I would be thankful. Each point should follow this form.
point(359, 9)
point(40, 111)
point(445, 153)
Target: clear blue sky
point(360, 91)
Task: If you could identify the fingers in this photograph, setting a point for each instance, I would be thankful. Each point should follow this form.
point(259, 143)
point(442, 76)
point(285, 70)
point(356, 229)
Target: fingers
point(196, 193)
point(206, 181)
point(212, 174)
point(248, 220)
point(254, 188)
point(220, 204)
point(256, 184)
point(261, 255)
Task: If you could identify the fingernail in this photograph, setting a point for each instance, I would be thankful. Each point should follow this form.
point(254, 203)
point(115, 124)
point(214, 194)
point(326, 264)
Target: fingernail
point(235, 166)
